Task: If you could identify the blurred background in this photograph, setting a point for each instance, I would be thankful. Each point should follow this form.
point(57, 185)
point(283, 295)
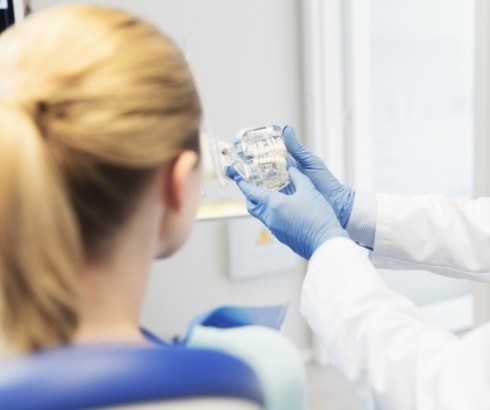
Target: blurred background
point(382, 90)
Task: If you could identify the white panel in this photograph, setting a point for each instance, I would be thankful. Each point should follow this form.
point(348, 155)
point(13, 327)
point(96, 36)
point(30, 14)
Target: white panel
point(357, 72)
point(19, 10)
point(482, 132)
point(324, 82)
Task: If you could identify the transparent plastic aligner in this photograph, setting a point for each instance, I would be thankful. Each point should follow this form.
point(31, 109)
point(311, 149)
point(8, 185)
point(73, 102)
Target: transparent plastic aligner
point(259, 156)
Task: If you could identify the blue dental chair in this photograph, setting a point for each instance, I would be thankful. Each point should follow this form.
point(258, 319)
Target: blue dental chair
point(230, 358)
point(128, 377)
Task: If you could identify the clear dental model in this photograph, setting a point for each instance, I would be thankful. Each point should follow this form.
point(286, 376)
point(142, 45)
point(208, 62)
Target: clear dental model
point(259, 156)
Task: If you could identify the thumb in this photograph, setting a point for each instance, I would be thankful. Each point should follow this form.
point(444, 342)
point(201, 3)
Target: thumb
point(294, 147)
point(300, 181)
point(305, 158)
point(231, 172)
point(254, 209)
point(253, 193)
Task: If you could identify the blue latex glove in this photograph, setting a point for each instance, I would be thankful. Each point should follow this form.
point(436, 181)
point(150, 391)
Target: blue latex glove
point(339, 196)
point(302, 220)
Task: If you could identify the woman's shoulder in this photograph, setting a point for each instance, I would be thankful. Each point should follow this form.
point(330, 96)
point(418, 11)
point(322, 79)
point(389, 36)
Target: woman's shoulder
point(274, 358)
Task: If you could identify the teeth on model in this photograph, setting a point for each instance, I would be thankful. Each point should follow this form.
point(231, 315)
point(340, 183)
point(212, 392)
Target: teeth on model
point(259, 156)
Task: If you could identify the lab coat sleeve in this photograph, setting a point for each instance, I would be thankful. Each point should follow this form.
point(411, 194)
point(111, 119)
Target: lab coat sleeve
point(391, 358)
point(446, 236)
point(362, 222)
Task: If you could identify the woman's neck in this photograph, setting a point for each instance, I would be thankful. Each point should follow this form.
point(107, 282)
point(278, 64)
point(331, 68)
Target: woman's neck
point(111, 303)
point(113, 290)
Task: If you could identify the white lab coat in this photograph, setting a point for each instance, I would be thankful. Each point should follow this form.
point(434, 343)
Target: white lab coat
point(391, 357)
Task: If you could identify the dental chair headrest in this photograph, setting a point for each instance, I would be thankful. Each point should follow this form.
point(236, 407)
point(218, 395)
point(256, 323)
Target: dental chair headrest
point(75, 378)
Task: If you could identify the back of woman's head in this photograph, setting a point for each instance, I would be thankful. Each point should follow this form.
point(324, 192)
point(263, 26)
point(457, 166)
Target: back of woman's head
point(92, 102)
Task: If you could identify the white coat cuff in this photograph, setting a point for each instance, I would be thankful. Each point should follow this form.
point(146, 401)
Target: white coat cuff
point(362, 222)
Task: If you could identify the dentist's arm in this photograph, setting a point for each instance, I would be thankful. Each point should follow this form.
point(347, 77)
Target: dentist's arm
point(392, 359)
point(442, 235)
point(379, 342)
point(446, 236)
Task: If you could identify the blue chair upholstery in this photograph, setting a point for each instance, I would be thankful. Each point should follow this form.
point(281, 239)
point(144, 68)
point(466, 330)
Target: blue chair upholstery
point(87, 377)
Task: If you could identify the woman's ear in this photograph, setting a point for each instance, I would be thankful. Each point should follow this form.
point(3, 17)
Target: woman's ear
point(179, 179)
point(180, 184)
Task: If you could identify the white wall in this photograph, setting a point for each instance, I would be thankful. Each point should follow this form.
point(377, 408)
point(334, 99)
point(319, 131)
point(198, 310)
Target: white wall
point(246, 56)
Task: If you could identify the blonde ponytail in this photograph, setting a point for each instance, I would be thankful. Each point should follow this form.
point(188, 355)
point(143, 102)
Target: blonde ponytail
point(90, 119)
point(39, 244)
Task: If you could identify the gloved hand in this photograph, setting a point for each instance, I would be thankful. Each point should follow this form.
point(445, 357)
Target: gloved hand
point(339, 196)
point(303, 220)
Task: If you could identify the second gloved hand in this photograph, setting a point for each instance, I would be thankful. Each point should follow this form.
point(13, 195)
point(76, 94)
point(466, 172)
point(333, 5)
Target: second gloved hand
point(338, 195)
point(303, 220)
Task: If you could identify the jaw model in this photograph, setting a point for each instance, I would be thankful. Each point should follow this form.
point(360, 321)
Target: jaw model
point(259, 156)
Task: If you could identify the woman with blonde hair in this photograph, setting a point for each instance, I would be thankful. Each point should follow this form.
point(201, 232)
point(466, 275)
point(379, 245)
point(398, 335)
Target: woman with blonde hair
point(99, 174)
